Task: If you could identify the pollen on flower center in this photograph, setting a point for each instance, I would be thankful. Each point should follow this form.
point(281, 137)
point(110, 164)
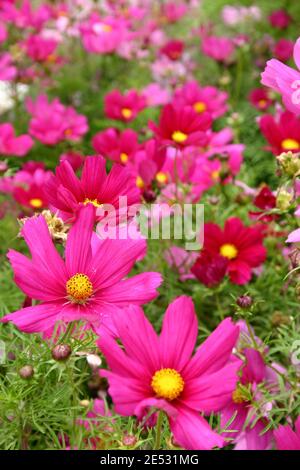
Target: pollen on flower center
point(179, 137)
point(126, 113)
point(228, 251)
point(239, 396)
point(290, 144)
point(79, 288)
point(200, 107)
point(124, 157)
point(161, 177)
point(95, 202)
point(262, 103)
point(139, 182)
point(36, 203)
point(167, 383)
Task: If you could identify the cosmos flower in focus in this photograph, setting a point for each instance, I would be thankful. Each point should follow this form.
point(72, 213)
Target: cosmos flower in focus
point(87, 285)
point(160, 372)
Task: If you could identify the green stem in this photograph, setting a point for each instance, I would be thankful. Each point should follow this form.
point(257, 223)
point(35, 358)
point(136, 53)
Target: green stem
point(157, 443)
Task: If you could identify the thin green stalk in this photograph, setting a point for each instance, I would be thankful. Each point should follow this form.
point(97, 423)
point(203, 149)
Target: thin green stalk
point(157, 443)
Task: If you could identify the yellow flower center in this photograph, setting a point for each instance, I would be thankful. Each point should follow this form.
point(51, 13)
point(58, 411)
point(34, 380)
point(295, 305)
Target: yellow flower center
point(95, 202)
point(167, 383)
point(215, 175)
point(200, 107)
point(139, 182)
point(68, 132)
point(262, 103)
point(161, 177)
point(290, 144)
point(36, 203)
point(228, 251)
point(126, 113)
point(124, 157)
point(107, 28)
point(179, 137)
point(239, 395)
point(79, 288)
point(51, 59)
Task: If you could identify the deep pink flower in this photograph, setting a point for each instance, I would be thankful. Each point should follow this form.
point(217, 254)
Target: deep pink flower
point(39, 48)
point(26, 16)
point(123, 107)
point(210, 269)
point(119, 147)
point(208, 99)
point(280, 19)
point(282, 132)
point(286, 438)
point(181, 126)
point(260, 99)
point(241, 246)
point(173, 11)
point(173, 49)
point(158, 372)
point(52, 122)
point(283, 49)
point(7, 70)
point(66, 193)
point(285, 80)
point(12, 145)
point(266, 201)
point(75, 159)
point(87, 285)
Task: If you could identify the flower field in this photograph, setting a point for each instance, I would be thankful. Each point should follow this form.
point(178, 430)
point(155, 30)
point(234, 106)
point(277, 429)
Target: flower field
point(149, 225)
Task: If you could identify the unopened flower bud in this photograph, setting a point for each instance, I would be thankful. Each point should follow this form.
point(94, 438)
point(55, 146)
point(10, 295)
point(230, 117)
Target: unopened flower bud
point(129, 440)
point(85, 403)
point(214, 200)
point(26, 372)
point(290, 163)
point(61, 352)
point(149, 195)
point(244, 301)
point(283, 200)
point(93, 361)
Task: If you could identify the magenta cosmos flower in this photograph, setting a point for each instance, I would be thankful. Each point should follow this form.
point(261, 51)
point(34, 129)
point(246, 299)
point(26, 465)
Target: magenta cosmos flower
point(87, 285)
point(181, 126)
point(241, 246)
point(12, 145)
point(117, 146)
point(123, 107)
point(67, 193)
point(203, 99)
point(286, 438)
point(159, 371)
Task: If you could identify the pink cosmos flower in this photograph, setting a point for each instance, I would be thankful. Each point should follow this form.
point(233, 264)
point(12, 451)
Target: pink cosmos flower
point(123, 107)
point(66, 193)
point(155, 95)
point(173, 11)
point(220, 49)
point(282, 132)
point(294, 237)
point(286, 438)
point(7, 70)
point(26, 16)
point(285, 80)
point(208, 99)
point(52, 122)
point(181, 126)
point(250, 436)
point(158, 372)
point(87, 285)
point(173, 49)
point(12, 145)
point(103, 35)
point(75, 159)
point(40, 48)
point(29, 188)
point(119, 147)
